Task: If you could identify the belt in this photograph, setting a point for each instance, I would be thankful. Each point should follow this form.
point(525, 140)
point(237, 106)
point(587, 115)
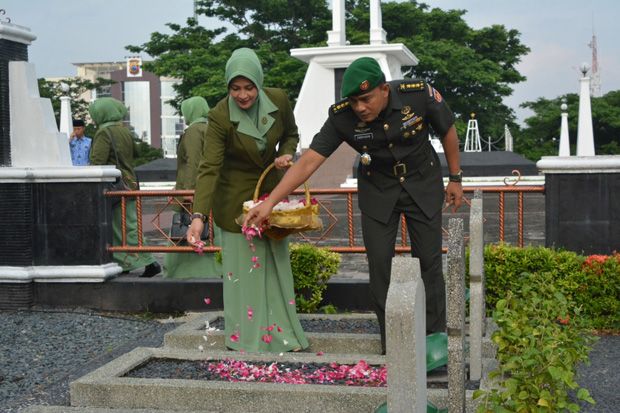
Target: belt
point(411, 163)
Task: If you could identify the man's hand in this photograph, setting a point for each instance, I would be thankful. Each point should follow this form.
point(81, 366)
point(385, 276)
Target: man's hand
point(283, 161)
point(454, 195)
point(259, 215)
point(195, 231)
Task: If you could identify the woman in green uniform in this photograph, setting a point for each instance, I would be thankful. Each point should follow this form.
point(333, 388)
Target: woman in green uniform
point(189, 155)
point(113, 145)
point(248, 130)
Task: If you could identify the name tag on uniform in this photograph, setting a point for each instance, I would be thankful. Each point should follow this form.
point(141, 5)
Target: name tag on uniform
point(363, 136)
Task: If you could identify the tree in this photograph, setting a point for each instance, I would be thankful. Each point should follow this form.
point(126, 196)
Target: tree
point(77, 87)
point(473, 68)
point(541, 135)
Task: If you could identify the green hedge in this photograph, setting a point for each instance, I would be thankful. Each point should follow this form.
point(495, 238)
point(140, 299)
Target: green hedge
point(312, 267)
point(591, 284)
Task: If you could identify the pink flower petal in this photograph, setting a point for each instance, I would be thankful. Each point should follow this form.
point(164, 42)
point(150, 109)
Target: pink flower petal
point(234, 337)
point(250, 313)
point(291, 302)
point(207, 300)
point(320, 353)
point(279, 329)
point(267, 338)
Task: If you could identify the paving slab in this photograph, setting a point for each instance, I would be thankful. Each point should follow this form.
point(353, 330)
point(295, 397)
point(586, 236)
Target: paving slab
point(107, 388)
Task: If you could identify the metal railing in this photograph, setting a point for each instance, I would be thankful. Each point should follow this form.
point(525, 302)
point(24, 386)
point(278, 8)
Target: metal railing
point(347, 242)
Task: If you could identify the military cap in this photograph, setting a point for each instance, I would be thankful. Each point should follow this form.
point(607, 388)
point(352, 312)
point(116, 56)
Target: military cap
point(78, 122)
point(363, 75)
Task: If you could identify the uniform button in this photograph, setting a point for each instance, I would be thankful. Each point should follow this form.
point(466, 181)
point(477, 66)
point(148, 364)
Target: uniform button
point(402, 179)
point(391, 145)
point(431, 163)
point(368, 173)
point(386, 126)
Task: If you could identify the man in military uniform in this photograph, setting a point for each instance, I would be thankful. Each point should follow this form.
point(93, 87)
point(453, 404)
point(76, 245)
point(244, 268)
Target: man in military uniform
point(399, 173)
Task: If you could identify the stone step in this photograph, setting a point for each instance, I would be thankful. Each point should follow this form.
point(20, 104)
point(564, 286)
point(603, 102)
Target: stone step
point(107, 387)
point(191, 335)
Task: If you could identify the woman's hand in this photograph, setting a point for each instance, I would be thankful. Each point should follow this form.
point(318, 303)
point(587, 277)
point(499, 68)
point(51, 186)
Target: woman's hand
point(283, 162)
point(195, 231)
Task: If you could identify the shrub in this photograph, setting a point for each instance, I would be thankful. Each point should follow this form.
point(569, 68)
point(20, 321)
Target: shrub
point(539, 344)
point(312, 268)
point(592, 284)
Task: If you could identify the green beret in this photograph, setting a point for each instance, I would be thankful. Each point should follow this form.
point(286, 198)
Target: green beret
point(363, 75)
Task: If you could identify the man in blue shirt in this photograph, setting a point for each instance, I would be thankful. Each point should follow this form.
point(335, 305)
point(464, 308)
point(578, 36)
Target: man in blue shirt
point(79, 144)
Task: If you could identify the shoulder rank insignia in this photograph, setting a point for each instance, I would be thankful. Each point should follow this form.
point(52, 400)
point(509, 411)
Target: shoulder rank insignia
point(340, 106)
point(411, 86)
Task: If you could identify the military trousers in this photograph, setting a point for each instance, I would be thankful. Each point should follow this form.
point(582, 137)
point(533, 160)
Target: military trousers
point(426, 244)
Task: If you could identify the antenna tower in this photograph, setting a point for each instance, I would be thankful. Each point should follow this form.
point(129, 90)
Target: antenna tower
point(595, 82)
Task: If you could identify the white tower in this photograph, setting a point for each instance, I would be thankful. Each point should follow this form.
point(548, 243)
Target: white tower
point(326, 65)
point(472, 137)
point(564, 142)
point(585, 132)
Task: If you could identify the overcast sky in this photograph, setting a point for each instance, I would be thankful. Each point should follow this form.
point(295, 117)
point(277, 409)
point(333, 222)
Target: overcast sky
point(557, 32)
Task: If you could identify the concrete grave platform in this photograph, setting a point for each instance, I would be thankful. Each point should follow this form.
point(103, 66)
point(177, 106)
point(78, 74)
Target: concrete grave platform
point(190, 336)
point(107, 388)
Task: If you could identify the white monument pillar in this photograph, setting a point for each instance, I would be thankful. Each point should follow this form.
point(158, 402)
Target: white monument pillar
point(66, 118)
point(377, 34)
point(564, 142)
point(508, 139)
point(338, 35)
point(585, 133)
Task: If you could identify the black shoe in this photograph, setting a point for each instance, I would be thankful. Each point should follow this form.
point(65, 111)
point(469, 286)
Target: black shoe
point(150, 270)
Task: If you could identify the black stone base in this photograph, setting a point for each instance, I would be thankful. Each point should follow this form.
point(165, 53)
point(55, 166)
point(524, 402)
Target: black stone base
point(14, 296)
point(583, 212)
point(159, 295)
point(54, 224)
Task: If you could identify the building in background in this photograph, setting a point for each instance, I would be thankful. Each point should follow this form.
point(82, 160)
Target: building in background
point(145, 94)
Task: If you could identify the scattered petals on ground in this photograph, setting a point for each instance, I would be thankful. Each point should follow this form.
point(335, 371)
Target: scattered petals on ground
point(234, 337)
point(360, 374)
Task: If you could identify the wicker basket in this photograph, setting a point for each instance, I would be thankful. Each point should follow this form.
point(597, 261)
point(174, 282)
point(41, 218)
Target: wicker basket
point(284, 223)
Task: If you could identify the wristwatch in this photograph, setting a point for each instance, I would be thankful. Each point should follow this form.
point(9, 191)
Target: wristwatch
point(199, 216)
point(458, 177)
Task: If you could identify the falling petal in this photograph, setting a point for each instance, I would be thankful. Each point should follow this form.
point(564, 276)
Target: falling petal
point(207, 300)
point(267, 338)
point(250, 313)
point(230, 274)
point(279, 329)
point(292, 302)
point(285, 342)
point(234, 337)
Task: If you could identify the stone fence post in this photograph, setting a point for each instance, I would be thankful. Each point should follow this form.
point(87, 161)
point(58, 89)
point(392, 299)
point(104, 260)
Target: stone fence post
point(476, 286)
point(405, 327)
point(456, 316)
